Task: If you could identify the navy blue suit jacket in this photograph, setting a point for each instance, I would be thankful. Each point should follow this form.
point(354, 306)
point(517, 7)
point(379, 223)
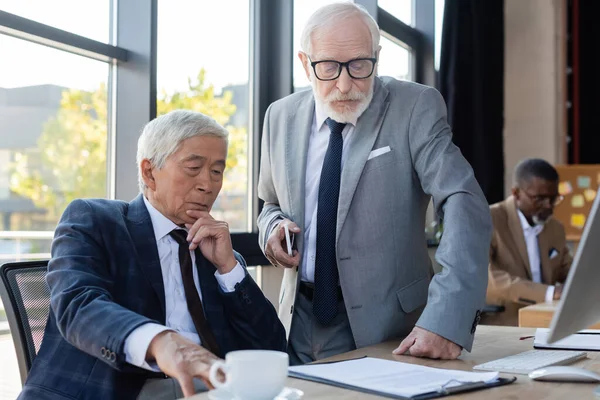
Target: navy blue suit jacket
point(105, 280)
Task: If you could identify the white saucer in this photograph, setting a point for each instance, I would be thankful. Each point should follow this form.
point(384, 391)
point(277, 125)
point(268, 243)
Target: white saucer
point(287, 393)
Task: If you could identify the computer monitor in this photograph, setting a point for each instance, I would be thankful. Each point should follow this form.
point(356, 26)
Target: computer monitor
point(579, 307)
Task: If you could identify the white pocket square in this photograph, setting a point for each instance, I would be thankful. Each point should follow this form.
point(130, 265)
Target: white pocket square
point(378, 152)
point(553, 253)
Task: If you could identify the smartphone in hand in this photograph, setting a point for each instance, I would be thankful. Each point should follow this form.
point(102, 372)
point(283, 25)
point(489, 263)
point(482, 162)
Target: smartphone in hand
point(289, 240)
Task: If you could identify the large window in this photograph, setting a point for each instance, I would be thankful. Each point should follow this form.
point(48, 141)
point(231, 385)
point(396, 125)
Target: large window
point(395, 59)
point(53, 141)
point(89, 18)
point(401, 9)
point(69, 124)
point(439, 24)
point(203, 65)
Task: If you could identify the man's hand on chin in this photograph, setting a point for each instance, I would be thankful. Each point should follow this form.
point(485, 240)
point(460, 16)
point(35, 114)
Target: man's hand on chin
point(423, 343)
point(213, 239)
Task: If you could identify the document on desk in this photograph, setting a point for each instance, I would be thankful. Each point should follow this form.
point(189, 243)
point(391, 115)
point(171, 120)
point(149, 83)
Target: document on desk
point(587, 339)
point(391, 378)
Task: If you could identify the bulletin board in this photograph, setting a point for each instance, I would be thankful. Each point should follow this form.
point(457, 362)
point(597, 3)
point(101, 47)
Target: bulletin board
point(579, 185)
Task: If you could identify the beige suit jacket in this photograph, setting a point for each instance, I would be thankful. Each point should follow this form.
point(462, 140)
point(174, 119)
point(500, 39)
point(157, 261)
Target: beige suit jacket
point(509, 273)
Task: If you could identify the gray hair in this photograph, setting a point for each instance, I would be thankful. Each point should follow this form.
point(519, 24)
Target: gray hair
point(162, 136)
point(530, 168)
point(331, 13)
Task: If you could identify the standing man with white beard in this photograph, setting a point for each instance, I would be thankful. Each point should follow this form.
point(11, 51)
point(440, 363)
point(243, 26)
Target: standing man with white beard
point(529, 258)
point(349, 168)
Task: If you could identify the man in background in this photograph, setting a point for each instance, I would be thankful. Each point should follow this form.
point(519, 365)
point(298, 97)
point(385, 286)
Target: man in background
point(529, 259)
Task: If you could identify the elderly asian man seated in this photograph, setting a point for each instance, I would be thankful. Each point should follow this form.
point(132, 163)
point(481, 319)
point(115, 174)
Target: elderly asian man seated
point(146, 295)
point(529, 258)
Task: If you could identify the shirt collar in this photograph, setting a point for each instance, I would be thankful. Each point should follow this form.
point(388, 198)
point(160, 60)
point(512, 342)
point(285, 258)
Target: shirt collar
point(525, 225)
point(321, 115)
point(162, 225)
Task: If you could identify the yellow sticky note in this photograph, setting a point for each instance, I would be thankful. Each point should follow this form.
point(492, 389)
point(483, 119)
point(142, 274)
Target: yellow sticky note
point(589, 194)
point(565, 188)
point(577, 220)
point(577, 201)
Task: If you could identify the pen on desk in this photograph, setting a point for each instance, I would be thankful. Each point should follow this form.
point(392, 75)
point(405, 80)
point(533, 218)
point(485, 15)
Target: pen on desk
point(526, 337)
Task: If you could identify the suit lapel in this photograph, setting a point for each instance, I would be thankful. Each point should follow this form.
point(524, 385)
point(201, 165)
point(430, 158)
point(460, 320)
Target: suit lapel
point(516, 232)
point(299, 127)
point(364, 136)
point(142, 234)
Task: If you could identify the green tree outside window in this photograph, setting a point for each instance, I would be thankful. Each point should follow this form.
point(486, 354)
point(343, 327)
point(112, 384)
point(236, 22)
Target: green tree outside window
point(70, 160)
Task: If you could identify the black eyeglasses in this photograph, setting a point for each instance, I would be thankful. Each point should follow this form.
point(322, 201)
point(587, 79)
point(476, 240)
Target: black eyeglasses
point(329, 70)
point(540, 200)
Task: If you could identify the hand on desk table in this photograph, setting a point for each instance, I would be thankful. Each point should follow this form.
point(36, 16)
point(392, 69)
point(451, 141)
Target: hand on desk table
point(423, 343)
point(181, 359)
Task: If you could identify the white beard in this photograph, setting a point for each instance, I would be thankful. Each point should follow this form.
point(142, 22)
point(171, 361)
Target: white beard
point(348, 115)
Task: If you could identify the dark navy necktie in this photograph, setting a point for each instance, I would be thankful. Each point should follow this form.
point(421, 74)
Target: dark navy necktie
point(325, 298)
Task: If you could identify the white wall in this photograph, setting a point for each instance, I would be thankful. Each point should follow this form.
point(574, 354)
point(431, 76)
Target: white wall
point(535, 82)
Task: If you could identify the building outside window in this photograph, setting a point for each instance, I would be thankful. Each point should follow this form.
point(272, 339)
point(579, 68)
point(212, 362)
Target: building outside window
point(53, 141)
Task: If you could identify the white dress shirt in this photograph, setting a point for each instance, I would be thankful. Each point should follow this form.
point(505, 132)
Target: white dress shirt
point(533, 252)
point(317, 147)
point(178, 317)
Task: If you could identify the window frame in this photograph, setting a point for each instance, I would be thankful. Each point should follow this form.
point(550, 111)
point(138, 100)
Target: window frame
point(132, 79)
point(420, 38)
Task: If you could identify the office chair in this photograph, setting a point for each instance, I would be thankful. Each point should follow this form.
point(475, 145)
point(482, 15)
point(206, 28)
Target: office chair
point(26, 299)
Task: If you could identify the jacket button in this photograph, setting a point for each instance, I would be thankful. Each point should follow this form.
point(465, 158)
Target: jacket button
point(113, 356)
point(103, 351)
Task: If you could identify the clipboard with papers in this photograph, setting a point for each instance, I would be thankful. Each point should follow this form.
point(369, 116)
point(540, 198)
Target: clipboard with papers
point(395, 379)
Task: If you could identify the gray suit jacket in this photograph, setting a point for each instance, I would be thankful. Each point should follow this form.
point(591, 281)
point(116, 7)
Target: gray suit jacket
point(385, 272)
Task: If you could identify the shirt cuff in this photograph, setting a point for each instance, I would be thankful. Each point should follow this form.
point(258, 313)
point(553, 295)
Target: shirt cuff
point(274, 224)
point(136, 345)
point(228, 281)
point(271, 227)
point(549, 294)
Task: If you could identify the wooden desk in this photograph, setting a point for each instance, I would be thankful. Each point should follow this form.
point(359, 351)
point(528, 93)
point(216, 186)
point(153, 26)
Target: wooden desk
point(491, 342)
point(540, 315)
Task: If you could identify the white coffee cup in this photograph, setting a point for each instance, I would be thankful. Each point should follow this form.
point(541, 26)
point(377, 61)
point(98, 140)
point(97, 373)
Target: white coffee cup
point(252, 374)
